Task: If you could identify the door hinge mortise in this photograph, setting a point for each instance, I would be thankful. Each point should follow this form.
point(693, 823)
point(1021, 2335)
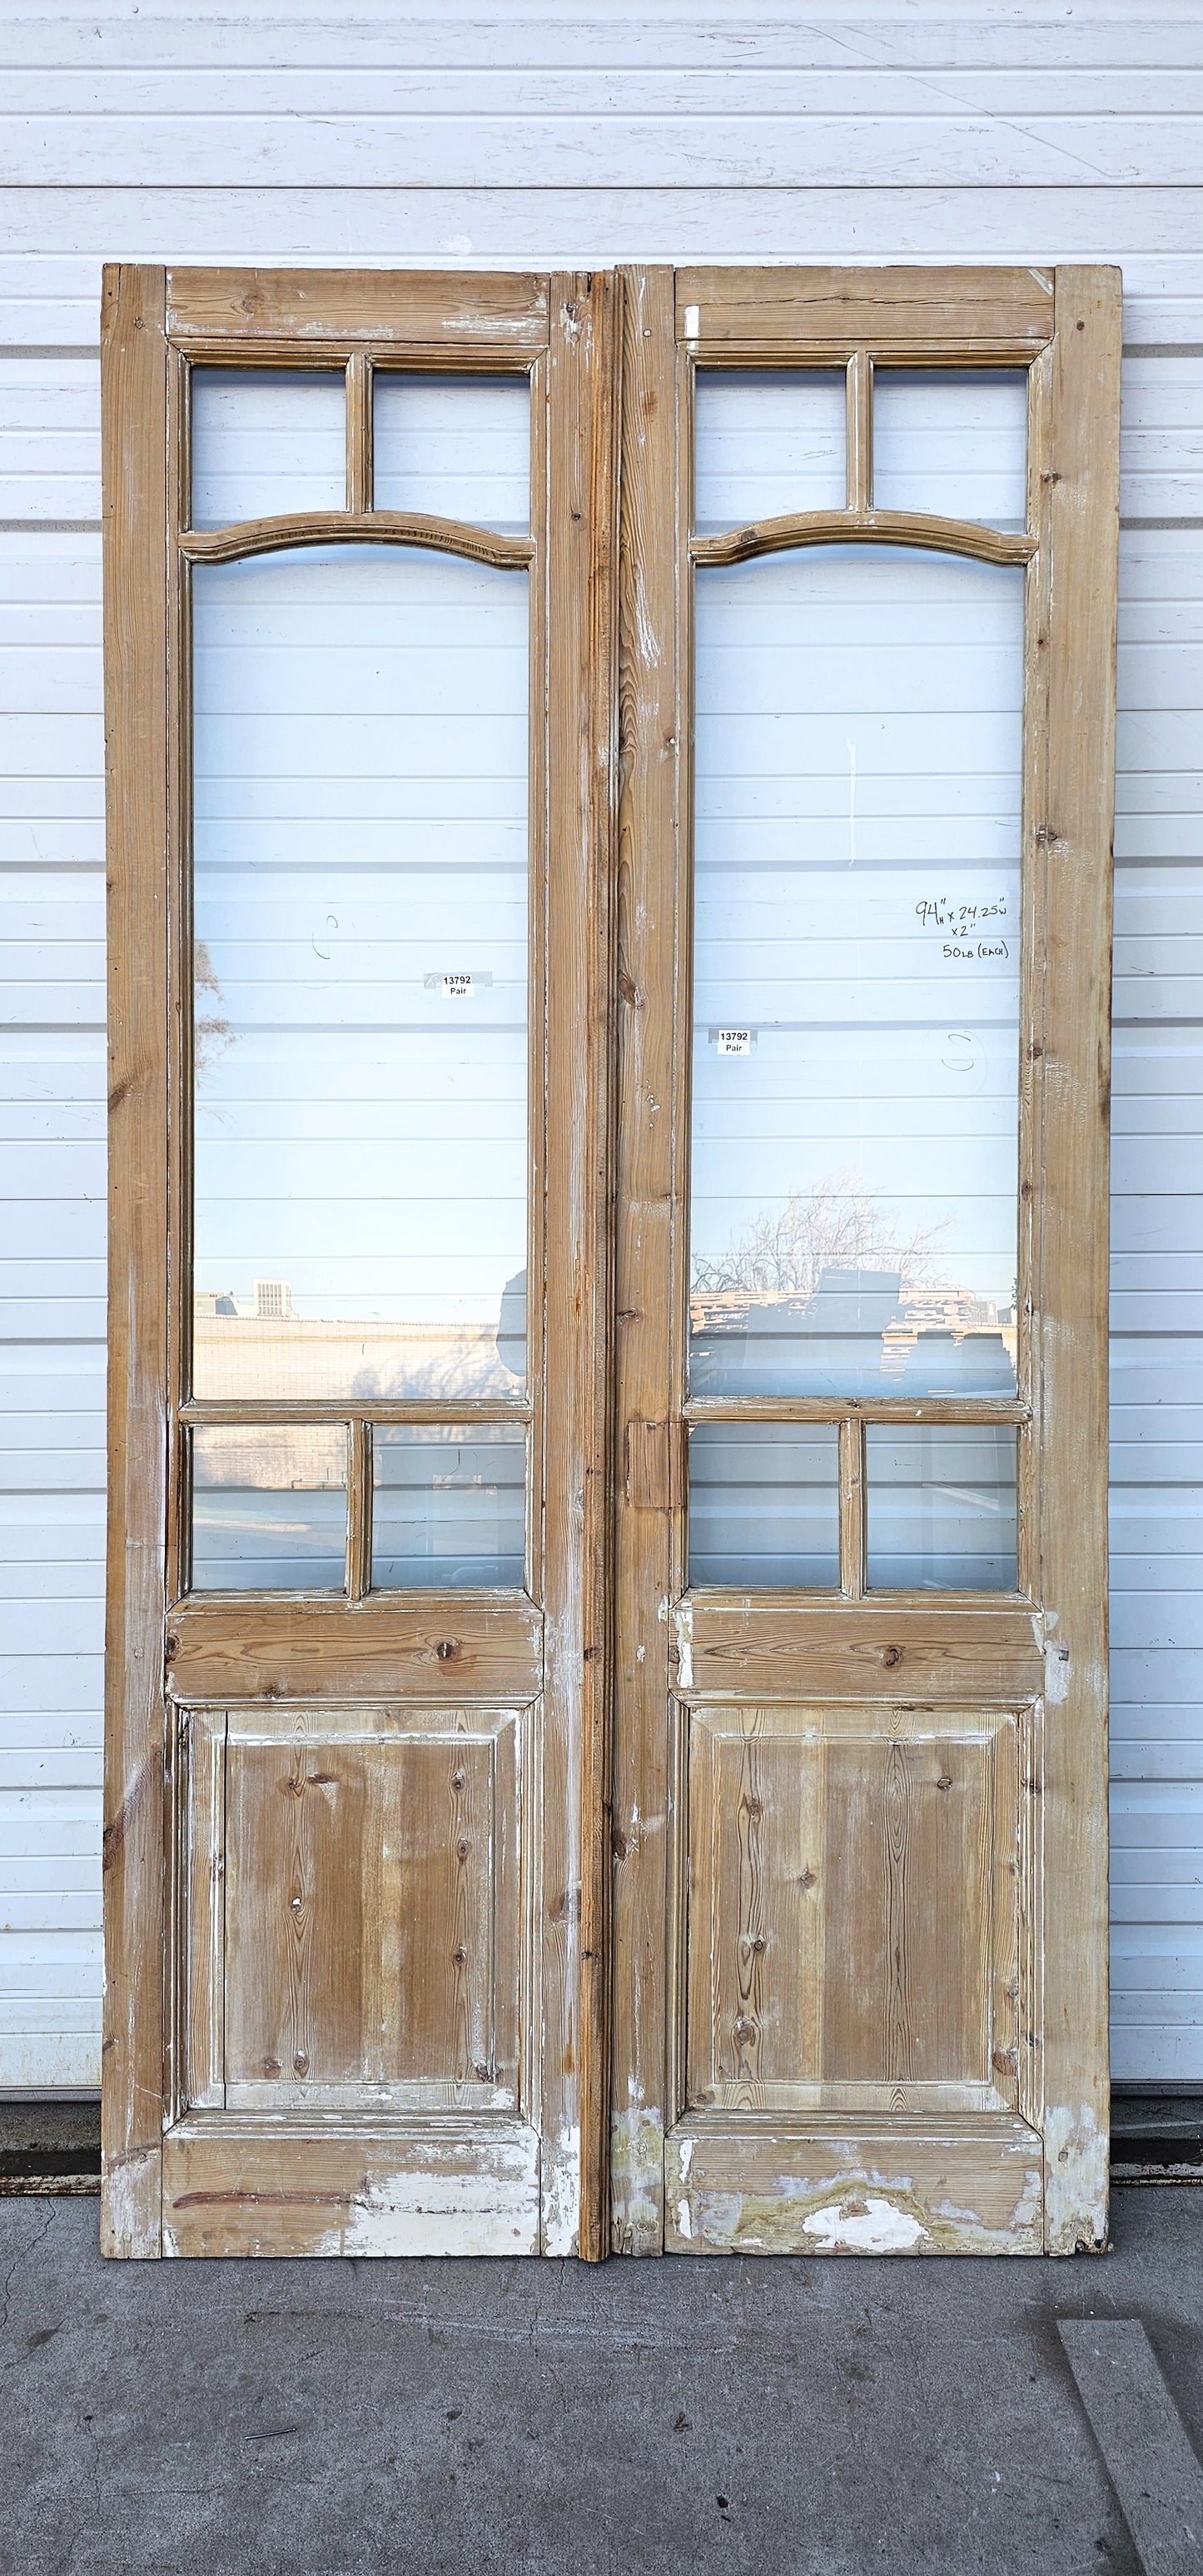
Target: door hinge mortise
point(656, 1466)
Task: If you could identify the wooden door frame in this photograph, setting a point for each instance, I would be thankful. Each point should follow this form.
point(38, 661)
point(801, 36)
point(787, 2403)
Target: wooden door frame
point(564, 324)
point(1063, 325)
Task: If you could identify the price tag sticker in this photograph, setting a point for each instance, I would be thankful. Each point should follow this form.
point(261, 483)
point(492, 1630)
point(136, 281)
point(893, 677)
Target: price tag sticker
point(734, 1041)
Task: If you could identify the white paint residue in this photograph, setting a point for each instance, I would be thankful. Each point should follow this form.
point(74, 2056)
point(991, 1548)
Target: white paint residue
point(1075, 2179)
point(684, 2219)
point(685, 1645)
point(866, 2226)
point(686, 2159)
point(562, 2193)
point(407, 2213)
point(693, 321)
point(1056, 1675)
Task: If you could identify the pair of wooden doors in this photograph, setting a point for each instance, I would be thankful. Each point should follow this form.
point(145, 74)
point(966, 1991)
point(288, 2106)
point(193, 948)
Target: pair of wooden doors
point(610, 793)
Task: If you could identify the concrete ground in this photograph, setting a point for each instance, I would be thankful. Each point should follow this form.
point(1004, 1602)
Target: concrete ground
point(808, 2418)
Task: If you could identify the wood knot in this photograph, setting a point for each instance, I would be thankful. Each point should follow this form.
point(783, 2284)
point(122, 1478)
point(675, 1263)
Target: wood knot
point(891, 1655)
point(447, 1649)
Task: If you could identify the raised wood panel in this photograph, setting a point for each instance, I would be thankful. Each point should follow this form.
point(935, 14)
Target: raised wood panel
point(781, 1647)
point(907, 311)
point(973, 2185)
point(384, 2187)
point(853, 1910)
point(367, 1946)
point(408, 309)
point(287, 1649)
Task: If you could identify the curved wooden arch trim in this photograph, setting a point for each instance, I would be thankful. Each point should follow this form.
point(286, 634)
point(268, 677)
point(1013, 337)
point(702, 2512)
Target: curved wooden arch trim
point(344, 527)
point(864, 527)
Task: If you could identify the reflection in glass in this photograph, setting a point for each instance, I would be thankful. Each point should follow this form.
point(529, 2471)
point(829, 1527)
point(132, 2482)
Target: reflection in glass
point(953, 441)
point(856, 959)
point(941, 1508)
point(269, 1508)
point(266, 440)
point(769, 441)
point(449, 1505)
point(360, 917)
point(457, 446)
point(764, 1503)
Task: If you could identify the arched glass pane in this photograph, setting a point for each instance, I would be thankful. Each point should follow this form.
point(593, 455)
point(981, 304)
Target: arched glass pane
point(856, 975)
point(361, 979)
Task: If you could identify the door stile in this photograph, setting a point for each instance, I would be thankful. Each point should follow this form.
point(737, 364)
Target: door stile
point(134, 430)
point(645, 1223)
point(582, 524)
point(1083, 514)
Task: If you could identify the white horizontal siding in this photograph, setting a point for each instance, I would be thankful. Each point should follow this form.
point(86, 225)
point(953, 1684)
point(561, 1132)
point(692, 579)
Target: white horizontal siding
point(489, 136)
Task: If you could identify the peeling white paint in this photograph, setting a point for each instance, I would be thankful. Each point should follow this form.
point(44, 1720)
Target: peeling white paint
point(684, 2219)
point(562, 2193)
point(686, 2158)
point(685, 1645)
point(867, 2226)
point(428, 2213)
point(693, 321)
point(1075, 2179)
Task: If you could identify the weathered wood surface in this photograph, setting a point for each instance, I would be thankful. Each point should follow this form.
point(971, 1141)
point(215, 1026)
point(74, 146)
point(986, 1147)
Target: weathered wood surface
point(852, 1906)
point(135, 456)
point(282, 312)
point(863, 526)
point(582, 543)
point(1071, 1324)
point(253, 2186)
point(909, 312)
point(355, 525)
point(779, 1646)
point(971, 2185)
point(254, 1648)
point(645, 1215)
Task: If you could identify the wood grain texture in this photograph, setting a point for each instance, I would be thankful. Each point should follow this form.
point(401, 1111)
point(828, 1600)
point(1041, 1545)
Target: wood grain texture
point(913, 313)
point(283, 313)
point(371, 1927)
point(353, 527)
point(836, 2185)
point(1083, 519)
point(852, 1910)
point(247, 1647)
point(768, 1645)
point(134, 403)
point(645, 1216)
point(582, 541)
point(373, 2187)
point(863, 526)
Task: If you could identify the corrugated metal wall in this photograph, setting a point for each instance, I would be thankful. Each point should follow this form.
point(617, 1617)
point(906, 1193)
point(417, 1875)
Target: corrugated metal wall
point(295, 132)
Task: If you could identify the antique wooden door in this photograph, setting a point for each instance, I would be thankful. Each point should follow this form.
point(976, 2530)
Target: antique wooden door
point(359, 715)
point(860, 1920)
point(606, 1700)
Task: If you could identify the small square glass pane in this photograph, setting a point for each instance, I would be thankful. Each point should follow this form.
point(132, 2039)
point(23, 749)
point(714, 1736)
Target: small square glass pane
point(952, 441)
point(449, 1506)
point(764, 1504)
point(455, 446)
point(269, 1508)
point(941, 1507)
point(768, 442)
point(265, 441)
